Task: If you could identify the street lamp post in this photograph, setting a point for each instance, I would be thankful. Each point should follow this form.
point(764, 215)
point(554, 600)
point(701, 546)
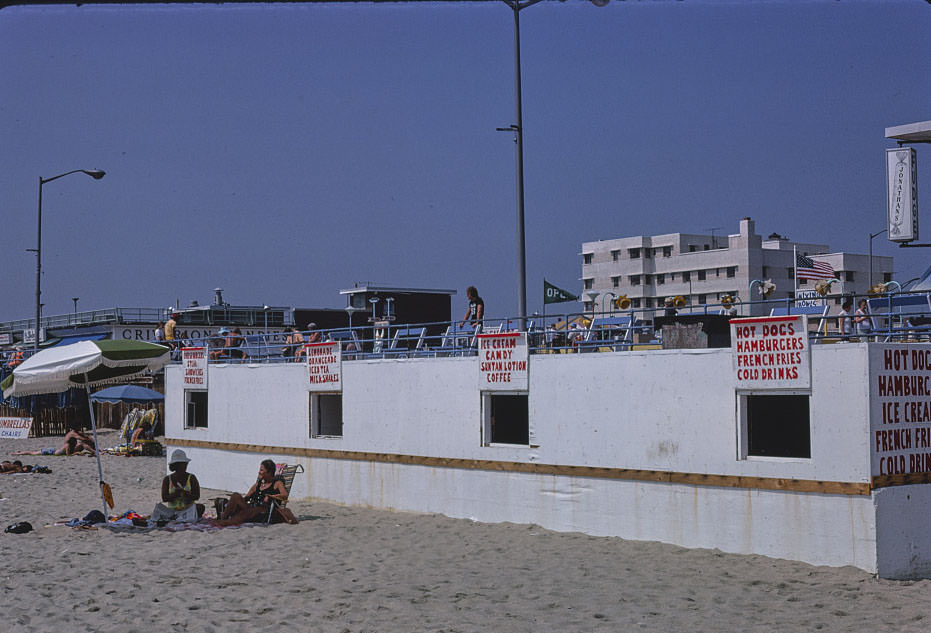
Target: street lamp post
point(518, 129)
point(96, 174)
point(872, 235)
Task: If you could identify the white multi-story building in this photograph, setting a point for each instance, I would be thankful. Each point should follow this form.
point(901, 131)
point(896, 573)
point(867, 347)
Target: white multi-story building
point(704, 268)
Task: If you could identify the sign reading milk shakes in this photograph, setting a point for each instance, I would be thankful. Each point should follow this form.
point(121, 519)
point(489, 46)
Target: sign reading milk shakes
point(771, 352)
point(502, 362)
point(324, 366)
point(194, 361)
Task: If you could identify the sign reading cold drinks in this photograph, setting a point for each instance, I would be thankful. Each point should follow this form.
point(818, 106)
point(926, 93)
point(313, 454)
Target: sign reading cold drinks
point(771, 352)
point(502, 362)
point(194, 361)
point(324, 366)
point(900, 409)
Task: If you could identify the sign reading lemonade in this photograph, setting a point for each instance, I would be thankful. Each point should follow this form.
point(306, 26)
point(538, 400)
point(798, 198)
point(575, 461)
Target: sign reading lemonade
point(324, 366)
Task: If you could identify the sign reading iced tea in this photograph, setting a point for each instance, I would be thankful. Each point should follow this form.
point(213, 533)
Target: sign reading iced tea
point(324, 366)
point(900, 409)
point(194, 361)
point(771, 352)
point(15, 428)
point(502, 360)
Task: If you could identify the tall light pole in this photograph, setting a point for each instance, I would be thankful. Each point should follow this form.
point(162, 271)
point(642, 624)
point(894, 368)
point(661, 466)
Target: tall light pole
point(96, 174)
point(518, 129)
point(75, 299)
point(872, 235)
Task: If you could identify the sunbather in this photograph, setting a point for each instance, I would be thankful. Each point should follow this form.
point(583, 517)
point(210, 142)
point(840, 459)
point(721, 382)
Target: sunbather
point(255, 503)
point(180, 491)
point(15, 466)
point(75, 441)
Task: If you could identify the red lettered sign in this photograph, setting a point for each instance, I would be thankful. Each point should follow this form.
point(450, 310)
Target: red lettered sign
point(771, 352)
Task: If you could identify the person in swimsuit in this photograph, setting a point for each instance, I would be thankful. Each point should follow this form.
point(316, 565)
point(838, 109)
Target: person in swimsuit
point(254, 504)
point(180, 491)
point(75, 441)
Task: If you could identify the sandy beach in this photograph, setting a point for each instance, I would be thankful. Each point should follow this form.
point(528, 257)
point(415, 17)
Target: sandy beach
point(358, 570)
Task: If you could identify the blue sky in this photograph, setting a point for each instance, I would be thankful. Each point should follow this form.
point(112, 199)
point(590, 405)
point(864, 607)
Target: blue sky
point(283, 152)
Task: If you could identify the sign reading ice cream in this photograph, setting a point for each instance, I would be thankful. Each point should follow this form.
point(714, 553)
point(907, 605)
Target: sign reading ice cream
point(194, 360)
point(771, 352)
point(900, 409)
point(502, 360)
point(324, 366)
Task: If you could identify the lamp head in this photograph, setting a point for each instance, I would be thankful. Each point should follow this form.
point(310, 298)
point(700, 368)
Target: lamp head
point(96, 174)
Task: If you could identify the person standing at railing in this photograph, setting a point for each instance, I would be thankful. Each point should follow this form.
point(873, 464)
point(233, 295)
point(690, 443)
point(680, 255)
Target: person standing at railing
point(293, 342)
point(160, 333)
point(863, 320)
point(844, 318)
point(476, 310)
point(170, 325)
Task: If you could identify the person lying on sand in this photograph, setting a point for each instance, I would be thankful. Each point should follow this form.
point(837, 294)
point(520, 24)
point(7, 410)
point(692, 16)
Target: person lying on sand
point(14, 467)
point(75, 441)
point(254, 504)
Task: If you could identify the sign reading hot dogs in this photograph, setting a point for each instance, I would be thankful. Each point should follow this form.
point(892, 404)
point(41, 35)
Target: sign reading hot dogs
point(771, 352)
point(502, 362)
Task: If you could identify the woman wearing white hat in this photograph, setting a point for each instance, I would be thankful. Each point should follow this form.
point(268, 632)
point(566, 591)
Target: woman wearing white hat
point(180, 491)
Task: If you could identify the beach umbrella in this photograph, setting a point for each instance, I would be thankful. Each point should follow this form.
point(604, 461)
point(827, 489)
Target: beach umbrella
point(126, 393)
point(85, 364)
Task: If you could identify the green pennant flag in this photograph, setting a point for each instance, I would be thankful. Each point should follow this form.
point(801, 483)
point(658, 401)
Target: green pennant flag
point(552, 294)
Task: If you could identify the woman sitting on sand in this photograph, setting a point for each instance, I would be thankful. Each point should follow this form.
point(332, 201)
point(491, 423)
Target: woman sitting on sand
point(180, 491)
point(254, 504)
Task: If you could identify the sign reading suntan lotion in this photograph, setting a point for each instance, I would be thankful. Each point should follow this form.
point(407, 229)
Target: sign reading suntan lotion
point(194, 360)
point(771, 352)
point(502, 361)
point(324, 366)
point(15, 428)
point(900, 409)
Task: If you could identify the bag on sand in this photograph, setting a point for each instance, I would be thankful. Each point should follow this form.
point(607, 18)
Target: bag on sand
point(19, 528)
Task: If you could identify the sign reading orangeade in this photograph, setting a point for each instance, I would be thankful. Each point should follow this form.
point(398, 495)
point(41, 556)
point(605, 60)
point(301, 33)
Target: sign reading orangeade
point(502, 362)
point(324, 366)
point(771, 352)
point(194, 361)
point(15, 428)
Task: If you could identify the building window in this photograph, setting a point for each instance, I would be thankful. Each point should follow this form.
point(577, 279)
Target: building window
point(635, 303)
point(848, 275)
point(646, 253)
point(692, 248)
point(635, 280)
point(634, 253)
point(776, 426)
point(803, 282)
point(887, 277)
point(647, 279)
point(765, 271)
point(707, 247)
point(667, 251)
point(588, 305)
point(672, 276)
point(615, 255)
point(326, 415)
point(731, 271)
point(687, 276)
point(701, 275)
point(647, 303)
point(589, 283)
point(587, 258)
point(660, 279)
point(505, 419)
point(195, 410)
point(615, 282)
point(790, 273)
point(702, 299)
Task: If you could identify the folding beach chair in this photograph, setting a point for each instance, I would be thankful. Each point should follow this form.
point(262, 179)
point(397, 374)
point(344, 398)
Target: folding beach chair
point(286, 473)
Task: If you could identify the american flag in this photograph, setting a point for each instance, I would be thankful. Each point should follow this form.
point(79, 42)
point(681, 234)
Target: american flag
point(807, 268)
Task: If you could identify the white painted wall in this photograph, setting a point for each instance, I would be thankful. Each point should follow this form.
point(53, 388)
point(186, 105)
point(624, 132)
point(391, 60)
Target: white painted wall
point(657, 410)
